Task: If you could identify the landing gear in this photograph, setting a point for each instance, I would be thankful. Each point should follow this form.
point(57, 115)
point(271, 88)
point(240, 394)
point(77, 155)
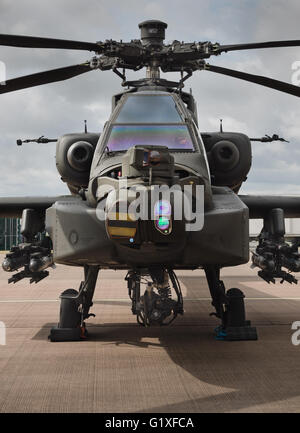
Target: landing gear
point(74, 309)
point(230, 308)
point(156, 306)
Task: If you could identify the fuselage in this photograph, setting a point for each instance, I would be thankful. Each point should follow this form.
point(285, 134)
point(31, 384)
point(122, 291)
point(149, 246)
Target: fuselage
point(149, 120)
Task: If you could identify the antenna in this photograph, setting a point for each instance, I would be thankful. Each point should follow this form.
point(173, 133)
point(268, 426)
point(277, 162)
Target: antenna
point(85, 126)
point(221, 125)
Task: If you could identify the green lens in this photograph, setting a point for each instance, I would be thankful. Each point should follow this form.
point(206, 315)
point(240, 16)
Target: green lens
point(163, 223)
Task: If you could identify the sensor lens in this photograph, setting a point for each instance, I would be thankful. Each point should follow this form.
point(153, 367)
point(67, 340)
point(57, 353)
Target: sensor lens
point(162, 215)
point(163, 223)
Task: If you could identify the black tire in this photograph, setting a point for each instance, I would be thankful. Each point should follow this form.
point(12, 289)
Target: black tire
point(235, 308)
point(69, 316)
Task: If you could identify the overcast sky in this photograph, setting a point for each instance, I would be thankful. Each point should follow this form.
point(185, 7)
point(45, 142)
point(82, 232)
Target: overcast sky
point(58, 108)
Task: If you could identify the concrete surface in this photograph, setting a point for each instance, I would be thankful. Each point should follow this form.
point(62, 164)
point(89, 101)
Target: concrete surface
point(126, 368)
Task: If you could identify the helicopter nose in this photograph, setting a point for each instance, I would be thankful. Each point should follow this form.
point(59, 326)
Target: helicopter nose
point(133, 222)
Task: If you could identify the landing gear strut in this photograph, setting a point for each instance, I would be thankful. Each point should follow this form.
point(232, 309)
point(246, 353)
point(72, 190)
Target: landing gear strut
point(74, 309)
point(155, 306)
point(230, 308)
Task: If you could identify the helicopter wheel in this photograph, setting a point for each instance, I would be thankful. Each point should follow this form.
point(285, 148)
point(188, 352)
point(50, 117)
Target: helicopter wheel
point(235, 326)
point(69, 327)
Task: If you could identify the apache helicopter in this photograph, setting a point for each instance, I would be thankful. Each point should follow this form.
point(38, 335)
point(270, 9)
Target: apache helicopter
point(151, 139)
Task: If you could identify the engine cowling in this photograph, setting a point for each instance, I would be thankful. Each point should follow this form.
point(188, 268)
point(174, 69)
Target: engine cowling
point(80, 155)
point(74, 154)
point(229, 156)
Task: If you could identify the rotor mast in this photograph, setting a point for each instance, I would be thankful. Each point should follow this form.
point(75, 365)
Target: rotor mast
point(153, 36)
point(153, 71)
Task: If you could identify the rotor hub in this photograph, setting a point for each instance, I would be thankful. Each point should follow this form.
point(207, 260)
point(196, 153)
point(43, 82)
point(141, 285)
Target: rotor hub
point(152, 33)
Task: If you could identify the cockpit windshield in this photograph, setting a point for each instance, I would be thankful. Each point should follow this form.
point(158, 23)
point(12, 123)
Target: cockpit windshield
point(149, 109)
point(176, 137)
point(149, 120)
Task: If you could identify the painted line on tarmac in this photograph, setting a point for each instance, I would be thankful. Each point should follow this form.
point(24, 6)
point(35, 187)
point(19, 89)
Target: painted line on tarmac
point(16, 301)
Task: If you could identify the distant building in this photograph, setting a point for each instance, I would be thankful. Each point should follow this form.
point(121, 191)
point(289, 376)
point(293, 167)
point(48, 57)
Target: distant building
point(9, 233)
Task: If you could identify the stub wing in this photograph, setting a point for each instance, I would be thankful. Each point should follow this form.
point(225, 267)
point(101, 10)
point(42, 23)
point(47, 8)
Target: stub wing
point(260, 205)
point(12, 207)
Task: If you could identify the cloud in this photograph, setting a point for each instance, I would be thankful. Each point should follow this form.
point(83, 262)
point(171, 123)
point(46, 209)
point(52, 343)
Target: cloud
point(154, 9)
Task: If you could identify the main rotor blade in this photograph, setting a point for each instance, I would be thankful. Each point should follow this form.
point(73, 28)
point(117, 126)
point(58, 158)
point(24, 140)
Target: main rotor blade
point(36, 42)
point(45, 77)
point(258, 79)
point(256, 45)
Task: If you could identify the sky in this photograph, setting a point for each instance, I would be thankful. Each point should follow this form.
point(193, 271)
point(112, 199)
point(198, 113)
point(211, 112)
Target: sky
point(59, 108)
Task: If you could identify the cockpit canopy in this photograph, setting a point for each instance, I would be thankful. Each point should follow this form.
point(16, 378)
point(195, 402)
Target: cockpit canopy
point(149, 119)
point(149, 108)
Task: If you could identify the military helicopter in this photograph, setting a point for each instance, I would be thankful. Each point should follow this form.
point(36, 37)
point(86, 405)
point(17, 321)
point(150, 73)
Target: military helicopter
point(150, 142)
